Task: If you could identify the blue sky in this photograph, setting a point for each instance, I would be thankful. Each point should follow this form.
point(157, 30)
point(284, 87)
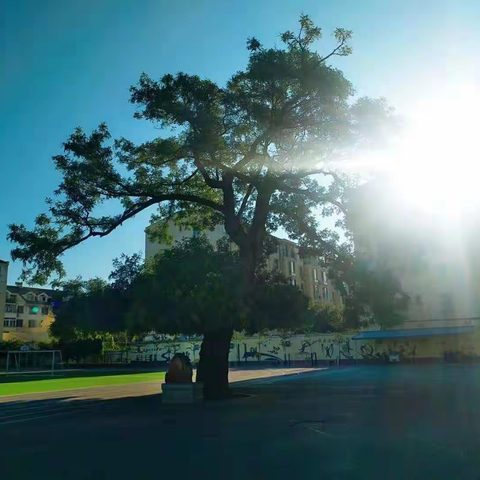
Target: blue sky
point(68, 64)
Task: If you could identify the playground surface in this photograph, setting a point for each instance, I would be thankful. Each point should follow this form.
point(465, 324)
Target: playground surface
point(12, 386)
point(358, 422)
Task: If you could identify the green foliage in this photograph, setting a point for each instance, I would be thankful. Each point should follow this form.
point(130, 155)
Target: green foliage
point(275, 305)
point(79, 350)
point(327, 317)
point(246, 154)
point(194, 288)
point(285, 334)
point(238, 337)
point(191, 288)
point(91, 306)
point(369, 295)
point(10, 345)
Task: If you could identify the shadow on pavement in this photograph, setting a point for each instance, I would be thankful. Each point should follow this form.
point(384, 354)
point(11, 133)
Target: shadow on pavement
point(358, 423)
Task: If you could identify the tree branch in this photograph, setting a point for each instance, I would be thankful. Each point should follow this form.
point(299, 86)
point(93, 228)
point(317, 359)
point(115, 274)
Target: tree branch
point(334, 51)
point(306, 173)
point(303, 226)
point(251, 152)
point(139, 207)
point(245, 200)
point(313, 196)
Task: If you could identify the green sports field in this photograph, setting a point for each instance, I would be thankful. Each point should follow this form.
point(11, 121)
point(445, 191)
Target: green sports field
point(19, 385)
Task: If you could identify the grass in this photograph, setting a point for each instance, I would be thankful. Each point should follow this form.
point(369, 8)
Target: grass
point(19, 385)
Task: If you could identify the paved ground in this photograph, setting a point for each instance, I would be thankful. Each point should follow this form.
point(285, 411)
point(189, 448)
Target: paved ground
point(385, 422)
point(139, 389)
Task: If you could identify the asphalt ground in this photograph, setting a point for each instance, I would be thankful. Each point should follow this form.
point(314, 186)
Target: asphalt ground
point(365, 422)
point(29, 407)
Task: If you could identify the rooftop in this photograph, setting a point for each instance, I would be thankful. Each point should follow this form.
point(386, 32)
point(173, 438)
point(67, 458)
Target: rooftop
point(15, 289)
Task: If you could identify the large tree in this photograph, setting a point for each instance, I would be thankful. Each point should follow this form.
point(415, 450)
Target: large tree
point(192, 288)
point(249, 154)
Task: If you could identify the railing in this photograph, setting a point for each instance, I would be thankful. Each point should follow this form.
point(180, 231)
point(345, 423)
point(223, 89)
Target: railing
point(439, 323)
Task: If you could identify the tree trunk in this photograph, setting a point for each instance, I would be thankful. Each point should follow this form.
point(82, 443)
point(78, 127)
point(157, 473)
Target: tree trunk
point(212, 368)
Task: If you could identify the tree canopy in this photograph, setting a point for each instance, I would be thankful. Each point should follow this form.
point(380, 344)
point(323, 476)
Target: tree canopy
point(247, 154)
point(191, 288)
point(370, 295)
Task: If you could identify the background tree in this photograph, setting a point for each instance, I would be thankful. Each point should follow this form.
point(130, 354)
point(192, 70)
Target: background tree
point(247, 155)
point(327, 317)
point(370, 295)
point(96, 305)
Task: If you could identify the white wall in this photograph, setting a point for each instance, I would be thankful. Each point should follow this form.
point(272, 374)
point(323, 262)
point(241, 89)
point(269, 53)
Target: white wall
point(178, 234)
point(326, 347)
point(3, 292)
point(432, 259)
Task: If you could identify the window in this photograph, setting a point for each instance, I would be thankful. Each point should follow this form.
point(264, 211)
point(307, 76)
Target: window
point(333, 296)
point(9, 322)
point(44, 310)
point(293, 282)
point(12, 299)
point(10, 308)
point(195, 233)
point(33, 310)
point(32, 323)
point(275, 264)
point(292, 267)
point(315, 275)
point(325, 293)
point(418, 300)
point(20, 323)
point(20, 309)
point(31, 297)
point(324, 277)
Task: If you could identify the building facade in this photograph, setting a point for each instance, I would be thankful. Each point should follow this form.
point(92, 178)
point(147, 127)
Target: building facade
point(3, 292)
point(308, 274)
point(28, 314)
point(432, 261)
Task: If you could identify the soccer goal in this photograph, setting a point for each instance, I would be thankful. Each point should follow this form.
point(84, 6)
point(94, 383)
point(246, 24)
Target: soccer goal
point(34, 362)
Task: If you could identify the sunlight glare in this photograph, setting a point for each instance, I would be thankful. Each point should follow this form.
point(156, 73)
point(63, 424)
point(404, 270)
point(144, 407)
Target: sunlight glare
point(435, 163)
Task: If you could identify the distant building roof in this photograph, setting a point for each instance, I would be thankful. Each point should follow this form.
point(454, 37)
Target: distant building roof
point(412, 333)
point(24, 290)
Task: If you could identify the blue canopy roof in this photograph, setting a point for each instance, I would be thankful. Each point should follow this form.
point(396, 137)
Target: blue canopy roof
point(417, 332)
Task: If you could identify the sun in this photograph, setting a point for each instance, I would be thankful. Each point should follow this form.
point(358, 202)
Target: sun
point(435, 162)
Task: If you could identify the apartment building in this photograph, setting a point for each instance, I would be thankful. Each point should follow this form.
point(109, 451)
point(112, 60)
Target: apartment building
point(306, 273)
point(28, 313)
point(430, 260)
point(3, 292)
point(434, 264)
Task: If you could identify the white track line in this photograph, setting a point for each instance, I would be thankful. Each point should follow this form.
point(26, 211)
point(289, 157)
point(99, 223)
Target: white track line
point(59, 406)
point(42, 416)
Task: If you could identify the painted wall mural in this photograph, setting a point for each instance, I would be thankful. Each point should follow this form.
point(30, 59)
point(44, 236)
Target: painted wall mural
point(276, 349)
